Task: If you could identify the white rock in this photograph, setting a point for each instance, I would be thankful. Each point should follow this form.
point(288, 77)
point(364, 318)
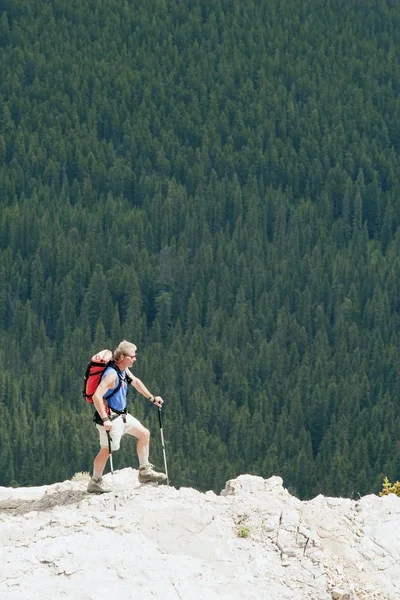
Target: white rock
point(58, 542)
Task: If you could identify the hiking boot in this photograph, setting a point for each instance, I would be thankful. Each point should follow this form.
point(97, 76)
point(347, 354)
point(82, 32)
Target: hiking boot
point(96, 486)
point(147, 475)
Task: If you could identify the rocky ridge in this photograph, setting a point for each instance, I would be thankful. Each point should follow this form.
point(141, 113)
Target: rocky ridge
point(253, 540)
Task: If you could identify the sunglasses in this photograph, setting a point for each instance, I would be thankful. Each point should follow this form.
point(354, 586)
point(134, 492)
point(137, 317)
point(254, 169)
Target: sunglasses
point(132, 357)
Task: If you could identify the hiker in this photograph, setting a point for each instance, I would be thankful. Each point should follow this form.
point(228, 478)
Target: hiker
point(114, 418)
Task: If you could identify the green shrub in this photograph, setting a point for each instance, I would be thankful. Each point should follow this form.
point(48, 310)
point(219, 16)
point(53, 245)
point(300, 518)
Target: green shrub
point(389, 488)
point(242, 531)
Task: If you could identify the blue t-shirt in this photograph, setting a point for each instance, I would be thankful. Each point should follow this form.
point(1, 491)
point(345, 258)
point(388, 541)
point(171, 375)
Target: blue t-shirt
point(118, 400)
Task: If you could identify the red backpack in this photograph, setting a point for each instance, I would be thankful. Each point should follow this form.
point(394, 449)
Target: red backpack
point(94, 370)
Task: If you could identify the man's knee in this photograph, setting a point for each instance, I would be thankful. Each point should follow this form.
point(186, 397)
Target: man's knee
point(144, 435)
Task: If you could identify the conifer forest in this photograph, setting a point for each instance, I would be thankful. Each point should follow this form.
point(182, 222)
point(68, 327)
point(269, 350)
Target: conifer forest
point(219, 183)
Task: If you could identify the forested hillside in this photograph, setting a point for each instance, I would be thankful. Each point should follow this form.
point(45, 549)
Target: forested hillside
point(217, 182)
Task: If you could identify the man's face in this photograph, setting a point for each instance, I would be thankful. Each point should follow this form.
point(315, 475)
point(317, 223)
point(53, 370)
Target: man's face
point(131, 358)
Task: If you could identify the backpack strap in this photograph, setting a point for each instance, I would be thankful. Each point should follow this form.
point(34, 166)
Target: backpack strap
point(121, 379)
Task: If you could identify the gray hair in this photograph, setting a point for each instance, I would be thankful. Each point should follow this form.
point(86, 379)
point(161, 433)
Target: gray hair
point(124, 348)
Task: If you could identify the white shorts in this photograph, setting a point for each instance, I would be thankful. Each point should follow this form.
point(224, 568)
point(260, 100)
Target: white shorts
point(118, 429)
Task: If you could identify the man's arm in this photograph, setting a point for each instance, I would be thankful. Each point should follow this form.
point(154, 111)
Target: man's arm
point(142, 389)
point(107, 383)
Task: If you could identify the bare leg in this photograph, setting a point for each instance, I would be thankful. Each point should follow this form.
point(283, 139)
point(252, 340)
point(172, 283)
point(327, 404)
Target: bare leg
point(96, 485)
point(143, 443)
point(146, 471)
point(100, 462)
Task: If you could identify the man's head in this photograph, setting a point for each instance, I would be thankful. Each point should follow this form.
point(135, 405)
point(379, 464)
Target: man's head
point(125, 353)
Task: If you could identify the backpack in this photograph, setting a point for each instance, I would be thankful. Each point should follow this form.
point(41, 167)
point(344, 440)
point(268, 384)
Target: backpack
point(94, 371)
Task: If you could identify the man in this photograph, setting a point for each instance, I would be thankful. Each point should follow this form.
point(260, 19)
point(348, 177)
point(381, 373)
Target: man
point(112, 417)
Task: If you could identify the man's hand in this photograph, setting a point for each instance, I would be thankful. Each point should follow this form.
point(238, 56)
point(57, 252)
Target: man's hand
point(107, 425)
point(158, 401)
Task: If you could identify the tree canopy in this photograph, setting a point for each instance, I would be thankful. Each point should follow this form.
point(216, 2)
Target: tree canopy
point(217, 182)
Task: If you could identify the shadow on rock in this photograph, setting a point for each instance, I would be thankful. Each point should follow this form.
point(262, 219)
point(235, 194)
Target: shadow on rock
point(18, 506)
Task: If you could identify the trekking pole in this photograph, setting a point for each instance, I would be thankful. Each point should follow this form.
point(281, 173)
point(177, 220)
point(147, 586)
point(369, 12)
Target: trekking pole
point(112, 469)
point(162, 443)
